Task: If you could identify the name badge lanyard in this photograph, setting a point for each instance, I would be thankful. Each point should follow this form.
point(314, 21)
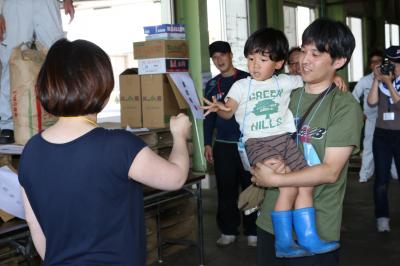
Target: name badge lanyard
point(385, 90)
point(389, 115)
point(240, 145)
point(313, 114)
point(220, 94)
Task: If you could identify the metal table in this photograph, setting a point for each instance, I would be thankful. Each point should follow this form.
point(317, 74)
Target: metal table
point(16, 235)
point(157, 197)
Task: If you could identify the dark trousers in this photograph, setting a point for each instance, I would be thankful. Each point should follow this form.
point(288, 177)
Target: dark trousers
point(266, 254)
point(230, 176)
point(385, 146)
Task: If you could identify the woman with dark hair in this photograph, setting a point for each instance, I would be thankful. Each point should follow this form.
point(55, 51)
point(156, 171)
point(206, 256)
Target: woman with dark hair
point(80, 182)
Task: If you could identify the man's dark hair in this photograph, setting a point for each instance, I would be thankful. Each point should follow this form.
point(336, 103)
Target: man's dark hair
point(294, 49)
point(330, 36)
point(219, 47)
point(76, 79)
point(267, 41)
point(376, 52)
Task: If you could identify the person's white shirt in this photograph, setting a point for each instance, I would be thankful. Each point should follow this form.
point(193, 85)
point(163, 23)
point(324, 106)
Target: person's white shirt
point(363, 87)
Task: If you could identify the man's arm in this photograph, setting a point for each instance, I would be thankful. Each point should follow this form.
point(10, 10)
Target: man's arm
point(209, 123)
point(69, 9)
point(373, 95)
point(393, 93)
point(2, 27)
point(2, 22)
point(358, 90)
point(372, 99)
point(225, 111)
point(208, 154)
point(325, 173)
point(208, 128)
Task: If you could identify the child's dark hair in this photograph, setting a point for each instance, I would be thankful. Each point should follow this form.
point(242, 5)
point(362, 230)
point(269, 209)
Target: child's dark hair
point(330, 36)
point(267, 41)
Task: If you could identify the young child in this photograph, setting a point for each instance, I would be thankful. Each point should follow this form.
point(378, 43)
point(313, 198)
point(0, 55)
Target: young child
point(260, 105)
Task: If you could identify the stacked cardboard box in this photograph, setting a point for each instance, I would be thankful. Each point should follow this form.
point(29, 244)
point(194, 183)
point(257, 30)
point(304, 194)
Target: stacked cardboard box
point(160, 100)
point(149, 97)
point(130, 98)
point(165, 31)
point(160, 48)
point(164, 28)
point(161, 52)
point(148, 101)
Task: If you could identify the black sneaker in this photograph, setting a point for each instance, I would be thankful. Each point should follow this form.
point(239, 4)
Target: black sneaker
point(6, 136)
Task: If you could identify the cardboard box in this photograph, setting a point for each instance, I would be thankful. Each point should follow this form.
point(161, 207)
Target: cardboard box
point(163, 65)
point(160, 48)
point(130, 98)
point(160, 100)
point(168, 28)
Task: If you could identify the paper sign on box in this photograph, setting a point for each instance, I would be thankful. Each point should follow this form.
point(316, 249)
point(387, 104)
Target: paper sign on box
point(162, 65)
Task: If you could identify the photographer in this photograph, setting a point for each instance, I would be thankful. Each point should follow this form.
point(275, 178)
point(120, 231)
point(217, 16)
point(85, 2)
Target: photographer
point(361, 91)
point(385, 93)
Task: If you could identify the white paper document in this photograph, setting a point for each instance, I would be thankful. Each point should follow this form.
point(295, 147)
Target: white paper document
point(10, 193)
point(185, 85)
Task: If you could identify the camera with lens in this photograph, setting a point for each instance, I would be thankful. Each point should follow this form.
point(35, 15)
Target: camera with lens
point(387, 68)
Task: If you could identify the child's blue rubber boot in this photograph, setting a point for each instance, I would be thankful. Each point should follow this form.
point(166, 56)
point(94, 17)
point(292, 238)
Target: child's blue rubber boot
point(285, 247)
point(307, 235)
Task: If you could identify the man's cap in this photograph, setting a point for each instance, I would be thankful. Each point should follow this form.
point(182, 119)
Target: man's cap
point(219, 47)
point(393, 53)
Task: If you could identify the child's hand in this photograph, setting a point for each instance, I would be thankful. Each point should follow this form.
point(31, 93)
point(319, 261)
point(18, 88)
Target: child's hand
point(340, 83)
point(266, 173)
point(214, 106)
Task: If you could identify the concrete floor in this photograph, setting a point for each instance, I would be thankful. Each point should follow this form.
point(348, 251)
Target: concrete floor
point(361, 244)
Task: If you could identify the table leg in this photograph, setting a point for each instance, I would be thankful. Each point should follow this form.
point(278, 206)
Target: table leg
point(200, 236)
